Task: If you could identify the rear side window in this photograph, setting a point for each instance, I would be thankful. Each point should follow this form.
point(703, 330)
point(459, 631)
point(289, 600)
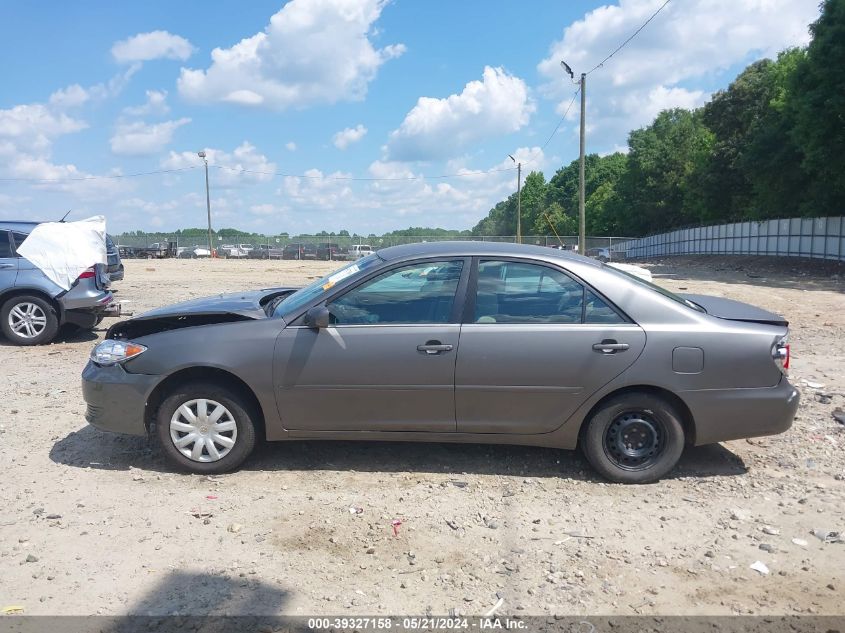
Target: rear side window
point(517, 292)
point(5, 245)
point(18, 239)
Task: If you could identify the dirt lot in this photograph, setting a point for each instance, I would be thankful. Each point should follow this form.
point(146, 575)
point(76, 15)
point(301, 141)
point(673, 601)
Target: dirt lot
point(95, 523)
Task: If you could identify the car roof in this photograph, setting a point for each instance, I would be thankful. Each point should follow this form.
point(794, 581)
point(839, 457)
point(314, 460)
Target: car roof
point(25, 227)
point(481, 249)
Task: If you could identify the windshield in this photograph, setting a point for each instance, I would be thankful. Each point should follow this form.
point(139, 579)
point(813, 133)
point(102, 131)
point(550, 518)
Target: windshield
point(313, 290)
point(656, 288)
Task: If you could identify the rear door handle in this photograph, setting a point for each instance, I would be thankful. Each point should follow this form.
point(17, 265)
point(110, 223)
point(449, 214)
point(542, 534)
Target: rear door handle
point(7, 265)
point(609, 346)
point(434, 347)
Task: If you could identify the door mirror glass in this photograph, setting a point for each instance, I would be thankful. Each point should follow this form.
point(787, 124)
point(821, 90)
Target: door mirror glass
point(317, 317)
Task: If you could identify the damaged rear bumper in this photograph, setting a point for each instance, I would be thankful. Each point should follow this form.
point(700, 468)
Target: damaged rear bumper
point(115, 399)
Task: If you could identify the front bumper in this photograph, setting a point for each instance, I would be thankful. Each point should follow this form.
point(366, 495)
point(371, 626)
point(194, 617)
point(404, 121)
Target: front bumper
point(730, 414)
point(116, 400)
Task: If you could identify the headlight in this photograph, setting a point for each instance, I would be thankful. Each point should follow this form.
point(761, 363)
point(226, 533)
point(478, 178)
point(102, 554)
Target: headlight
point(111, 352)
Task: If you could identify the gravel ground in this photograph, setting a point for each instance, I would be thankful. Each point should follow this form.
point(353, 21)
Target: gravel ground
point(95, 523)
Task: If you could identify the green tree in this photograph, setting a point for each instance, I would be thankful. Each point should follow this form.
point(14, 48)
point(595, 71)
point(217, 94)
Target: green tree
point(661, 159)
point(818, 88)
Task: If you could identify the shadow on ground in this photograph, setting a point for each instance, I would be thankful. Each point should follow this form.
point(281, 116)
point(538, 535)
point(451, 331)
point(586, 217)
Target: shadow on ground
point(768, 272)
point(90, 448)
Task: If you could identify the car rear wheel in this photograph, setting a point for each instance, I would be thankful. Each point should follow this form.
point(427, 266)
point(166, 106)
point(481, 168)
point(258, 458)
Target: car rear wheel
point(634, 438)
point(28, 320)
point(204, 428)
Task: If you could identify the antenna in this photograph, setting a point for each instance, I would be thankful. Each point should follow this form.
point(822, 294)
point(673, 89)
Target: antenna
point(65, 215)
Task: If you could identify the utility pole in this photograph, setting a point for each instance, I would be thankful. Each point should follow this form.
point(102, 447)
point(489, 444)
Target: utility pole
point(518, 200)
point(582, 221)
point(207, 199)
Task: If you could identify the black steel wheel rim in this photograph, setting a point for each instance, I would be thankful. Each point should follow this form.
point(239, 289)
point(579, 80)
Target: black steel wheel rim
point(634, 440)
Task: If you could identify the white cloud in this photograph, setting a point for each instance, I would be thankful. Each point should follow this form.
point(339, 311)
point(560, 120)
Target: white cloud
point(439, 128)
point(348, 136)
point(143, 139)
point(686, 42)
point(243, 165)
point(156, 103)
point(264, 209)
point(33, 126)
point(313, 51)
point(153, 45)
point(401, 197)
point(290, 146)
point(72, 96)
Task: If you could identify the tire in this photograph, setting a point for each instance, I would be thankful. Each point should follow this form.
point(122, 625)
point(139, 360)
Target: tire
point(236, 411)
point(40, 327)
point(645, 417)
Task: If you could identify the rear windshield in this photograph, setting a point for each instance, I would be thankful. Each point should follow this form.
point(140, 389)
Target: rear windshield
point(656, 288)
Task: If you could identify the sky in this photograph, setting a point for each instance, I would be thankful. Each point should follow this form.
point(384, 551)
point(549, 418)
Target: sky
point(364, 115)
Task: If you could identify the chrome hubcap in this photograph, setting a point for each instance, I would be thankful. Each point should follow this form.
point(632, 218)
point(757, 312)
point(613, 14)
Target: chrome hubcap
point(27, 320)
point(634, 440)
point(203, 430)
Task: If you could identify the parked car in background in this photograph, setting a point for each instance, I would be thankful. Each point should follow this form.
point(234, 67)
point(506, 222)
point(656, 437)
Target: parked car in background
point(32, 307)
point(193, 252)
point(230, 251)
point(450, 341)
point(328, 251)
point(126, 252)
point(357, 251)
point(601, 254)
point(299, 250)
point(157, 250)
point(266, 251)
point(115, 265)
point(246, 248)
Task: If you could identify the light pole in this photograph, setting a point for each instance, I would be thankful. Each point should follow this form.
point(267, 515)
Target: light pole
point(582, 220)
point(518, 199)
point(201, 154)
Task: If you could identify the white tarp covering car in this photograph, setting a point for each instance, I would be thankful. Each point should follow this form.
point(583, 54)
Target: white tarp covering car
point(64, 250)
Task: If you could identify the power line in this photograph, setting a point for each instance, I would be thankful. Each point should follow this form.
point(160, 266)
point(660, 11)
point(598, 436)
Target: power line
point(109, 177)
point(363, 179)
point(557, 127)
point(625, 43)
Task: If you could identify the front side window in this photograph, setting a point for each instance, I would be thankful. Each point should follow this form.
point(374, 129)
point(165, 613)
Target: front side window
point(516, 292)
point(419, 293)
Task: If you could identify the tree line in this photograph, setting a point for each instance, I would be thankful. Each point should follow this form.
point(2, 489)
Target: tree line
point(771, 145)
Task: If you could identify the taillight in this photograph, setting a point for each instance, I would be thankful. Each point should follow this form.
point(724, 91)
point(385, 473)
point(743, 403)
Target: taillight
point(90, 273)
point(780, 354)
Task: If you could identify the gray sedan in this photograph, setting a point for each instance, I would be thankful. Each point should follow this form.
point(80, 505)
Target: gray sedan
point(449, 342)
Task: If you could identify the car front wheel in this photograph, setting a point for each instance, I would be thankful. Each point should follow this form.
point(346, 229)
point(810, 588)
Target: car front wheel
point(28, 320)
point(205, 429)
point(634, 438)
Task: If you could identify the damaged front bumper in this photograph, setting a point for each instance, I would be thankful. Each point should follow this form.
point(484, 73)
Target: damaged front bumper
point(115, 399)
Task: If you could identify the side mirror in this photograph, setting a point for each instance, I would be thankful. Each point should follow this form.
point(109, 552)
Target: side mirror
point(317, 317)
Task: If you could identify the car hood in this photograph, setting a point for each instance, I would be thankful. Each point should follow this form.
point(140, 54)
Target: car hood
point(223, 308)
point(735, 310)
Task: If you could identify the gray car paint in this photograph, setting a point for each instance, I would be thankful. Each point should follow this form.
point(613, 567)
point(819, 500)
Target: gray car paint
point(526, 383)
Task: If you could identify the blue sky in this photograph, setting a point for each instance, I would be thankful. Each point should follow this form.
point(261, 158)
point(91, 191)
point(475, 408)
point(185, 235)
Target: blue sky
point(336, 114)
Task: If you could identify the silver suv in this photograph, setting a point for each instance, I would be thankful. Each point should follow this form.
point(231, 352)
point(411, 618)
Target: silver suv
point(32, 307)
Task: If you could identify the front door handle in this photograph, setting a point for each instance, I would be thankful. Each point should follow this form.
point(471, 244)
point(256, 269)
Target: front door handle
point(609, 346)
point(7, 265)
point(434, 347)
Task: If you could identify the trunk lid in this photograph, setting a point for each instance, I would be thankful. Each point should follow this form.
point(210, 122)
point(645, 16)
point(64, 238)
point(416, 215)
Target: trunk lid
point(732, 310)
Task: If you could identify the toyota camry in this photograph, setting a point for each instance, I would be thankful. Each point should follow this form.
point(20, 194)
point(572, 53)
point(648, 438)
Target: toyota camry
point(449, 342)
